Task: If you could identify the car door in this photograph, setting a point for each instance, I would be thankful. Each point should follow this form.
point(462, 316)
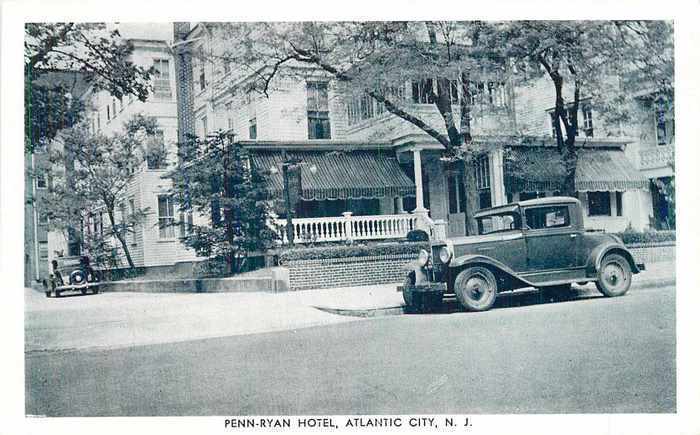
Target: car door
point(551, 239)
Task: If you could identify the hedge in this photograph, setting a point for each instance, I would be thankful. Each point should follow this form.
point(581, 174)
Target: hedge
point(355, 250)
point(647, 237)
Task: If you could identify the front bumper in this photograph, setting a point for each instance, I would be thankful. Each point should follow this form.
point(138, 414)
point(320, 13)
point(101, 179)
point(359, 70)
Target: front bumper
point(432, 287)
point(86, 285)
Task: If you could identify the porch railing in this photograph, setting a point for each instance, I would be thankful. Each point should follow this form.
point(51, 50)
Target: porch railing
point(349, 227)
point(656, 157)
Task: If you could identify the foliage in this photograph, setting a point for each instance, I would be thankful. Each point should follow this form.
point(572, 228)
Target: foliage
point(667, 187)
point(632, 237)
point(100, 57)
point(219, 183)
point(611, 62)
point(355, 250)
point(90, 177)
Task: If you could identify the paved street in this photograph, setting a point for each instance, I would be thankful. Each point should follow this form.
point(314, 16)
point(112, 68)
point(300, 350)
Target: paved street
point(591, 354)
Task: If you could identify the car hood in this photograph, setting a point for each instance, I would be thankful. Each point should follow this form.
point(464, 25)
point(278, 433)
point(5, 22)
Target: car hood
point(494, 237)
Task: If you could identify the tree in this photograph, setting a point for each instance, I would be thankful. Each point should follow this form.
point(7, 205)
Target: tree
point(93, 173)
point(101, 57)
point(376, 59)
point(222, 185)
point(611, 62)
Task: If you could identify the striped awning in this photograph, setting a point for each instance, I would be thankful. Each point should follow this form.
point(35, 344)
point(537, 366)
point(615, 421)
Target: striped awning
point(538, 169)
point(359, 174)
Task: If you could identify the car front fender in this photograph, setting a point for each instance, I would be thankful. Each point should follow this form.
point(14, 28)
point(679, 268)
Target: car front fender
point(502, 269)
point(595, 258)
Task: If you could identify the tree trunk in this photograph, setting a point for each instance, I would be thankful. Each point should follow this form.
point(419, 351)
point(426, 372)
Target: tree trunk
point(120, 237)
point(470, 188)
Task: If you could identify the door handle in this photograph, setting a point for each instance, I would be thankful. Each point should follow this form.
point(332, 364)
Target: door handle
point(573, 236)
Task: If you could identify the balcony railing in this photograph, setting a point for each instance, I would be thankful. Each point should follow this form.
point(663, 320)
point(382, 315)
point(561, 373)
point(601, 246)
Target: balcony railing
point(349, 227)
point(656, 157)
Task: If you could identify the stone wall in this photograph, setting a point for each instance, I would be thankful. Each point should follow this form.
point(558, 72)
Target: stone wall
point(653, 253)
point(348, 271)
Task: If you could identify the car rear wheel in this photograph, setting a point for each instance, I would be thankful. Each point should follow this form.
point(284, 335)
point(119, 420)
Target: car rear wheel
point(614, 275)
point(476, 288)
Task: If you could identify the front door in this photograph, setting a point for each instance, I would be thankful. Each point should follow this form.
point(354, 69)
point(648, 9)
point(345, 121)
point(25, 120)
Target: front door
point(457, 207)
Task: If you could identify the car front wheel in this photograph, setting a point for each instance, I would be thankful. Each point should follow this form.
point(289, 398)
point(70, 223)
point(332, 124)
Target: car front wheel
point(476, 288)
point(614, 275)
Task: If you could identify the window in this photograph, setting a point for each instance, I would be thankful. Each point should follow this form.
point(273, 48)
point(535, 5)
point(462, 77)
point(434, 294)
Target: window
point(664, 124)
point(252, 117)
point(501, 222)
point(618, 203)
point(253, 128)
point(423, 91)
point(108, 114)
point(156, 154)
point(122, 218)
point(587, 120)
point(99, 126)
point(204, 128)
point(41, 180)
point(121, 104)
point(547, 217)
point(483, 183)
point(185, 223)
point(114, 107)
point(229, 116)
point(202, 78)
point(166, 217)
point(161, 78)
point(44, 250)
point(598, 203)
point(317, 110)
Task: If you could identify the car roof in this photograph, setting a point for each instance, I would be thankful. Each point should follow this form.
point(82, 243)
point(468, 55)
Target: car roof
point(507, 208)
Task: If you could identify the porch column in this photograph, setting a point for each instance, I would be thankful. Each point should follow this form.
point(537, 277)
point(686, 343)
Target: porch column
point(497, 181)
point(418, 177)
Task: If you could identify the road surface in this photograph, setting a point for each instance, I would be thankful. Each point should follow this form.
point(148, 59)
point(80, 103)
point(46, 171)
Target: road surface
point(589, 355)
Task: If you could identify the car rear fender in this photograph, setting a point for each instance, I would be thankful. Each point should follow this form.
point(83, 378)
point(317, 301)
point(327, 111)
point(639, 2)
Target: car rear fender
point(505, 273)
point(599, 252)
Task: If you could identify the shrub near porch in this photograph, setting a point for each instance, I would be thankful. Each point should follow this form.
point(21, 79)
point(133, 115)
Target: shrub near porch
point(353, 265)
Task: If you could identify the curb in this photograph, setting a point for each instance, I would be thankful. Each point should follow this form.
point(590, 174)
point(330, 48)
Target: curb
point(392, 311)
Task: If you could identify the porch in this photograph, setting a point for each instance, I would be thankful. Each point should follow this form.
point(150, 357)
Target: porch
point(345, 192)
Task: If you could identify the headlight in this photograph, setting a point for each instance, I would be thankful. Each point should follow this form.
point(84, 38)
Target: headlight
point(78, 277)
point(423, 257)
point(445, 255)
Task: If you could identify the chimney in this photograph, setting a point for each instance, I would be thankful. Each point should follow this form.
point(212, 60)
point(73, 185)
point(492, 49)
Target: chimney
point(184, 86)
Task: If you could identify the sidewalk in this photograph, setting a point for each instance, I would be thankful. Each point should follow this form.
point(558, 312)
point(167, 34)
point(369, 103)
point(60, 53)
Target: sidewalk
point(113, 320)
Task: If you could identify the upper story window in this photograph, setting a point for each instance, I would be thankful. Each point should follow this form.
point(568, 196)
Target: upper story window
point(422, 91)
point(156, 152)
point(364, 107)
point(229, 116)
point(121, 104)
point(585, 120)
point(204, 127)
point(252, 116)
point(99, 121)
point(41, 180)
point(161, 78)
point(202, 77)
point(665, 125)
point(114, 107)
point(108, 114)
point(317, 110)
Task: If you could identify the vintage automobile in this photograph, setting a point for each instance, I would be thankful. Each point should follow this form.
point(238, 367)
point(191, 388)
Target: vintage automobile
point(535, 243)
point(71, 274)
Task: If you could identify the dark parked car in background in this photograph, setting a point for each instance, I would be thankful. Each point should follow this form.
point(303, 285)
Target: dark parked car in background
point(538, 243)
point(71, 274)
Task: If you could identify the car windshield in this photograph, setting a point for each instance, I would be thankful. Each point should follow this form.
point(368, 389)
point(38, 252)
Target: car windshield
point(498, 222)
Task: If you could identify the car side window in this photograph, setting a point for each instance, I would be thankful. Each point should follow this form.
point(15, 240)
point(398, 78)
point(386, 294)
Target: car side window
point(547, 217)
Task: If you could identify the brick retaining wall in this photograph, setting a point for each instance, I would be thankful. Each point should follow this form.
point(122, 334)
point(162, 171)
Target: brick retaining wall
point(356, 271)
point(350, 271)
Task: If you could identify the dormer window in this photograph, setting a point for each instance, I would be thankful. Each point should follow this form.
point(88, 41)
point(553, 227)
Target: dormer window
point(664, 123)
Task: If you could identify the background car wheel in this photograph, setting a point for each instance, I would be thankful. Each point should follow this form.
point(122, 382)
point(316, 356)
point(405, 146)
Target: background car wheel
point(614, 275)
point(409, 298)
point(476, 288)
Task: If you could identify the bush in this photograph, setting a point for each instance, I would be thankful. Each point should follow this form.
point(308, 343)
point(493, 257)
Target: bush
point(210, 268)
point(356, 250)
point(632, 237)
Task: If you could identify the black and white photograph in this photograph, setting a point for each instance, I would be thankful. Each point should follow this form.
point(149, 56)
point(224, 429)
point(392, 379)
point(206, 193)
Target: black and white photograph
point(351, 225)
